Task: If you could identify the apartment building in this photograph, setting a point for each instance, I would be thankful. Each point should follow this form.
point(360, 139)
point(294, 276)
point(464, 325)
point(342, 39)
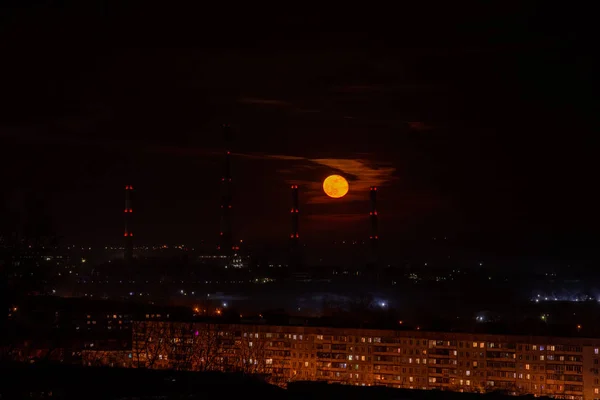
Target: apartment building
point(565, 368)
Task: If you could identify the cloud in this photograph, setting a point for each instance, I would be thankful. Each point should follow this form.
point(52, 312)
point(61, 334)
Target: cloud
point(359, 88)
point(282, 157)
point(282, 105)
point(264, 102)
point(350, 218)
point(360, 173)
point(307, 111)
point(418, 126)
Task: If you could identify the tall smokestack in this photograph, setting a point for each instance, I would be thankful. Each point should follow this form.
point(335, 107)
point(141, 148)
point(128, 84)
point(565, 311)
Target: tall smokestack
point(374, 236)
point(295, 251)
point(226, 241)
point(128, 254)
point(294, 212)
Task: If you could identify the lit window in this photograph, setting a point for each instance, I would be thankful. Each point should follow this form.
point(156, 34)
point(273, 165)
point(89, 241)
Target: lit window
point(306, 363)
point(410, 360)
point(269, 361)
point(468, 383)
point(595, 350)
point(541, 348)
point(249, 344)
point(468, 373)
point(595, 390)
point(295, 337)
point(350, 357)
point(527, 366)
point(542, 358)
point(362, 358)
point(410, 379)
point(475, 364)
point(528, 376)
point(320, 337)
point(481, 345)
point(474, 344)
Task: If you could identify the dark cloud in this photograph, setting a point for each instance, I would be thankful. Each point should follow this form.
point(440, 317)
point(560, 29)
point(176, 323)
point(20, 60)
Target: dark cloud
point(264, 102)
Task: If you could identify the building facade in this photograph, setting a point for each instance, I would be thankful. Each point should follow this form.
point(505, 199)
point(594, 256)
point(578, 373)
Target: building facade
point(565, 368)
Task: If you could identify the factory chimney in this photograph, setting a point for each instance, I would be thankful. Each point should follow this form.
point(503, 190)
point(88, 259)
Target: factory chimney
point(294, 212)
point(226, 240)
point(296, 259)
point(374, 235)
point(128, 253)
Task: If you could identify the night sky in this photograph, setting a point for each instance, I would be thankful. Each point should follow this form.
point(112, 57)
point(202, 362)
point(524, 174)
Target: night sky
point(476, 123)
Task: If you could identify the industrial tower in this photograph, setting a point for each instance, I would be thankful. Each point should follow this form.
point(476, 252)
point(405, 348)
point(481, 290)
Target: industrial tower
point(374, 235)
point(294, 212)
point(296, 259)
point(128, 253)
point(226, 246)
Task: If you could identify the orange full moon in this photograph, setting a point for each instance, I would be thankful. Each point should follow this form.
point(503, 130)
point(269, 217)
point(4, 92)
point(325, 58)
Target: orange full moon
point(335, 186)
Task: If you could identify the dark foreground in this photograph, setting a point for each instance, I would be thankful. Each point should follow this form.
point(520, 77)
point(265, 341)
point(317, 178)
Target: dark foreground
point(21, 381)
